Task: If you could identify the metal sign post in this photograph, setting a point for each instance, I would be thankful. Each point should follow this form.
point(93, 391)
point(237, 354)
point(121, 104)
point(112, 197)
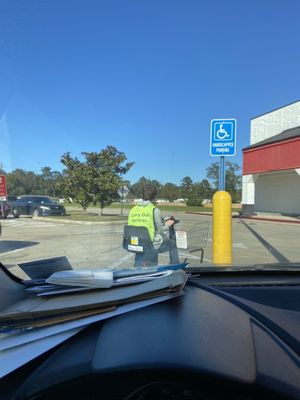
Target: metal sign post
point(222, 173)
point(123, 192)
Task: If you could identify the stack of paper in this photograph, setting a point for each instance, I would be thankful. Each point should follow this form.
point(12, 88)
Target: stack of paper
point(64, 282)
point(99, 278)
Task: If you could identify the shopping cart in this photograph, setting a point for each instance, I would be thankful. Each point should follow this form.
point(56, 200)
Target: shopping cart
point(195, 239)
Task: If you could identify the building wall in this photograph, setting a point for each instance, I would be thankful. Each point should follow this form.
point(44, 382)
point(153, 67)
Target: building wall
point(248, 193)
point(271, 173)
point(272, 157)
point(275, 122)
point(278, 192)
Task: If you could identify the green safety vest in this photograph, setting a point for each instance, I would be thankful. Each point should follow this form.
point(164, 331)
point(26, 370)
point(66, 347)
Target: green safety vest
point(143, 216)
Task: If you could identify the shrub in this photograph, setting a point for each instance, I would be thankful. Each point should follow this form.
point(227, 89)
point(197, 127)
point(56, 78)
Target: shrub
point(194, 201)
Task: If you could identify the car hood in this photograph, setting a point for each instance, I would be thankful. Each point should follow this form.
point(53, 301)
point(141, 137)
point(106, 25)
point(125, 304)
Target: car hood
point(51, 205)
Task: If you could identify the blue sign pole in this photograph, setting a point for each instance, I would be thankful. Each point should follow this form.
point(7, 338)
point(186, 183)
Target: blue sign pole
point(222, 173)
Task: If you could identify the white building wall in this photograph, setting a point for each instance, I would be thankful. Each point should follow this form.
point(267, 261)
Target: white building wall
point(278, 192)
point(248, 193)
point(275, 122)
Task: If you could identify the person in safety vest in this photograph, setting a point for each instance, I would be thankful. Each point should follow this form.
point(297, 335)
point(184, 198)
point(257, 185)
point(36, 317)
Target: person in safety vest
point(146, 214)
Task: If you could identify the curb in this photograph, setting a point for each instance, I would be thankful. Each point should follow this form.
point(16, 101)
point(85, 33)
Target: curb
point(199, 213)
point(268, 219)
point(64, 221)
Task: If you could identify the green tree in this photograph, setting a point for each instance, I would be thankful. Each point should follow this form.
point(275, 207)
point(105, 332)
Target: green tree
point(75, 183)
point(46, 178)
point(170, 191)
point(186, 186)
point(96, 179)
point(203, 189)
point(21, 182)
point(233, 178)
point(137, 188)
point(56, 179)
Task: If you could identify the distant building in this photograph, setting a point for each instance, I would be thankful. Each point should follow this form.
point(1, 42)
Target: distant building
point(162, 201)
point(137, 200)
point(206, 201)
point(271, 164)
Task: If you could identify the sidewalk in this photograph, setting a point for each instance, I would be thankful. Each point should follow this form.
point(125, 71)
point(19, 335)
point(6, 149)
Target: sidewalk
point(268, 217)
point(271, 217)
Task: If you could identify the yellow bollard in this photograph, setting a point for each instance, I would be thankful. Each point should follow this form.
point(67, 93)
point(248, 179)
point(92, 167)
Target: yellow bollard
point(222, 229)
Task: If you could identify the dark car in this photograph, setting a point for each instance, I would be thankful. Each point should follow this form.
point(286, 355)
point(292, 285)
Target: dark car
point(36, 206)
point(10, 201)
point(4, 209)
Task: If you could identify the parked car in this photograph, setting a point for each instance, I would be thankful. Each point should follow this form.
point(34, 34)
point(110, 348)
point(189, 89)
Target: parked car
point(36, 206)
point(10, 201)
point(4, 209)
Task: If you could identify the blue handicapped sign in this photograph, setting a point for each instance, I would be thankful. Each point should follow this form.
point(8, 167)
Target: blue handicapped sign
point(223, 137)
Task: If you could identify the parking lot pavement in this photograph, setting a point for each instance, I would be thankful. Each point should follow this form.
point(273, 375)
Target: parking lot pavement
point(27, 222)
point(97, 246)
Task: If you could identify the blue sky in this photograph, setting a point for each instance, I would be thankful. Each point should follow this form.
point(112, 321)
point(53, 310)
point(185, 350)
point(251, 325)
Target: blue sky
point(146, 76)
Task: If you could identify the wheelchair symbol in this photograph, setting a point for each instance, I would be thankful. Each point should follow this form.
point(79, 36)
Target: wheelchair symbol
point(222, 133)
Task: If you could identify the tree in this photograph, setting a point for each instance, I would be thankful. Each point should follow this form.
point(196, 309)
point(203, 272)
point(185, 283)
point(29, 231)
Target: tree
point(56, 179)
point(97, 179)
point(186, 186)
point(233, 180)
point(21, 182)
point(203, 189)
point(212, 173)
point(75, 183)
point(170, 191)
point(137, 188)
point(47, 179)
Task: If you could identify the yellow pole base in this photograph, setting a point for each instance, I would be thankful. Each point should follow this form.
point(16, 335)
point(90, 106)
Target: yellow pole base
point(222, 229)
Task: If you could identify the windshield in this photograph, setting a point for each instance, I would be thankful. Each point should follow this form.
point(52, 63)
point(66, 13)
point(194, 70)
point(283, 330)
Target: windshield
point(123, 123)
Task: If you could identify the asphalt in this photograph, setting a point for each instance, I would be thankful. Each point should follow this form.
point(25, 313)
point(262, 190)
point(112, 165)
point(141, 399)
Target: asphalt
point(98, 245)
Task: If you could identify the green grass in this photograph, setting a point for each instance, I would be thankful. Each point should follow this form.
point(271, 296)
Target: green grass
point(79, 215)
point(167, 208)
point(170, 208)
point(90, 217)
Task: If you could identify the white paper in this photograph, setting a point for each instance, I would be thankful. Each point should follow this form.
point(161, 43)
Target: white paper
point(181, 240)
point(140, 278)
point(14, 340)
point(88, 278)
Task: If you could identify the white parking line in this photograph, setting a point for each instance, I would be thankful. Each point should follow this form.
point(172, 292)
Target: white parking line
point(30, 224)
point(12, 251)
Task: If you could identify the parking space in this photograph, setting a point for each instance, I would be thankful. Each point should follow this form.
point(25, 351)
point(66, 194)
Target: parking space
point(100, 245)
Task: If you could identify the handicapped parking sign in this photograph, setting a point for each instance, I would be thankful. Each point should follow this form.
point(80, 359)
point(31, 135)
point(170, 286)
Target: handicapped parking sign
point(223, 137)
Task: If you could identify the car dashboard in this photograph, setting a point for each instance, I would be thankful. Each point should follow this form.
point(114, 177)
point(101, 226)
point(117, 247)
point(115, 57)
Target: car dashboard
point(229, 335)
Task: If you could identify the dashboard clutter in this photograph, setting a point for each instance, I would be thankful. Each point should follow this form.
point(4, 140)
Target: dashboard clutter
point(32, 324)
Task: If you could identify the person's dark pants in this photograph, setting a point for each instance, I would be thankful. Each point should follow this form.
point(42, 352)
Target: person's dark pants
point(146, 259)
point(151, 256)
point(170, 246)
